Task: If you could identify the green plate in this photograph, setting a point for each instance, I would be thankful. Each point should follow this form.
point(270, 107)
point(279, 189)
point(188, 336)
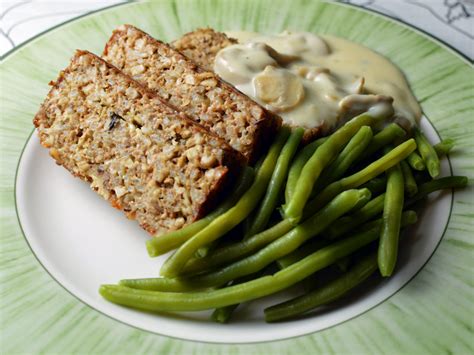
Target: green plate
point(433, 313)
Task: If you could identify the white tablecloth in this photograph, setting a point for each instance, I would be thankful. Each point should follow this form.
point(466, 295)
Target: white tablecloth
point(452, 21)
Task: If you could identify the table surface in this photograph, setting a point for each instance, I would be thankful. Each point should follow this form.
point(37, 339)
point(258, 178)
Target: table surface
point(451, 21)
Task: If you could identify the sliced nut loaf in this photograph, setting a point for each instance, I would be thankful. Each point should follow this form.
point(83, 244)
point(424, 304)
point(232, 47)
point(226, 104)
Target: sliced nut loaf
point(155, 164)
point(218, 106)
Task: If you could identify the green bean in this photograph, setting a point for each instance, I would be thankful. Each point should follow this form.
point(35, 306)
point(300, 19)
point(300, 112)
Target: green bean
point(449, 182)
point(161, 284)
point(275, 250)
point(204, 251)
point(392, 214)
point(317, 244)
point(428, 153)
point(319, 160)
point(301, 253)
point(376, 185)
point(228, 238)
point(384, 137)
point(416, 162)
point(231, 218)
point(344, 263)
point(223, 314)
point(263, 286)
point(375, 206)
point(287, 243)
point(362, 202)
point(444, 147)
point(232, 252)
point(267, 206)
point(351, 152)
point(325, 294)
point(169, 241)
point(295, 169)
point(347, 223)
point(411, 188)
point(377, 167)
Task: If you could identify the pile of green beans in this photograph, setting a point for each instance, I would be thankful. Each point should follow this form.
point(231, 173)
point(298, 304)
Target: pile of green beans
point(339, 203)
point(320, 159)
point(260, 287)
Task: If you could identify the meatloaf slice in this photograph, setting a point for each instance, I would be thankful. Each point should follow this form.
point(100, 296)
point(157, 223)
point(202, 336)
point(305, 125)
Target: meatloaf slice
point(219, 107)
point(155, 164)
point(203, 45)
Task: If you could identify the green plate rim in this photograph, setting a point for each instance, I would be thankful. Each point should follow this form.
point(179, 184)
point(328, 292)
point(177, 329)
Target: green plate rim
point(398, 21)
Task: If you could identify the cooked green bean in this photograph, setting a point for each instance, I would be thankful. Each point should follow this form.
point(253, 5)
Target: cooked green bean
point(351, 152)
point(263, 286)
point(411, 188)
point(325, 294)
point(161, 284)
point(204, 251)
point(344, 263)
point(228, 238)
point(295, 169)
point(223, 314)
point(172, 240)
point(449, 182)
point(376, 185)
point(231, 218)
point(321, 158)
point(392, 214)
point(377, 167)
point(269, 202)
point(416, 162)
point(386, 136)
point(340, 205)
point(375, 206)
point(428, 153)
point(347, 223)
point(301, 253)
point(232, 252)
point(362, 202)
point(444, 147)
point(275, 250)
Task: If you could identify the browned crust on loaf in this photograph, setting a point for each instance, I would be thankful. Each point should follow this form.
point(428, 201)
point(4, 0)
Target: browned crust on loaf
point(202, 45)
point(178, 168)
point(201, 94)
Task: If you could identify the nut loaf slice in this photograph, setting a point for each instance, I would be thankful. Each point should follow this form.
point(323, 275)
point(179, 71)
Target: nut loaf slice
point(218, 106)
point(203, 45)
point(155, 164)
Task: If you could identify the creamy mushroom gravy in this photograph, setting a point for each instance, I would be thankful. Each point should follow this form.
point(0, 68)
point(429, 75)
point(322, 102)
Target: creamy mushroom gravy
point(314, 81)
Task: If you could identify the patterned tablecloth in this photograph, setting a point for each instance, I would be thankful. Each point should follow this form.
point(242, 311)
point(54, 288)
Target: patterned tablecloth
point(451, 21)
